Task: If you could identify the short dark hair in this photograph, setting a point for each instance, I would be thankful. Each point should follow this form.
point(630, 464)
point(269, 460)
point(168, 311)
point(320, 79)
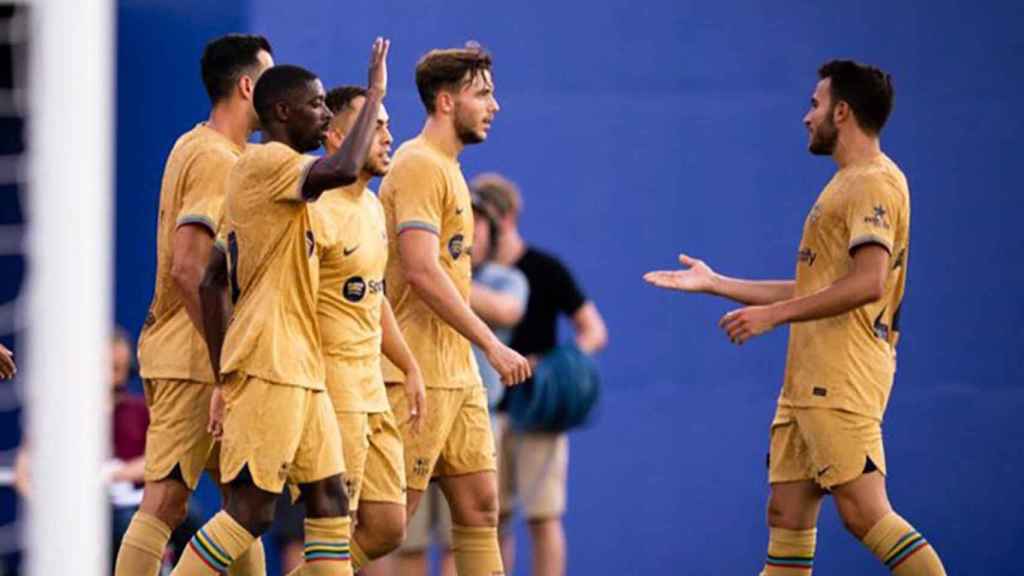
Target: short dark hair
point(226, 59)
point(447, 69)
point(341, 97)
point(867, 89)
point(276, 84)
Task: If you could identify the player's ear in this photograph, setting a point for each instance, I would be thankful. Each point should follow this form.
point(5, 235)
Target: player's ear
point(282, 111)
point(841, 112)
point(246, 85)
point(444, 102)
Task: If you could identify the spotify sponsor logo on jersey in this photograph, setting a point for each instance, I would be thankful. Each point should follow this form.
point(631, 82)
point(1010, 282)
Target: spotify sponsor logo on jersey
point(355, 288)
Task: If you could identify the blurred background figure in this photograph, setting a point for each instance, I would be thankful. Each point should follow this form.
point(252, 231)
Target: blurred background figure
point(533, 465)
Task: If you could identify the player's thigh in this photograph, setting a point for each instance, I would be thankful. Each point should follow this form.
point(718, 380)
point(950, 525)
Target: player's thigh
point(355, 441)
point(178, 446)
point(841, 445)
point(319, 458)
point(383, 478)
point(421, 449)
point(862, 502)
point(794, 505)
point(469, 448)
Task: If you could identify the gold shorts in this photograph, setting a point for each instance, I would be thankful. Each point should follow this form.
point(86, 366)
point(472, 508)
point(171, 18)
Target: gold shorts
point(533, 468)
point(179, 411)
point(455, 439)
point(281, 433)
point(374, 465)
point(830, 447)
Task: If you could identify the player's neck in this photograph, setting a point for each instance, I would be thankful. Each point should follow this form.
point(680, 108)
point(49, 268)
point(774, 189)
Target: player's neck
point(441, 135)
point(856, 147)
point(231, 121)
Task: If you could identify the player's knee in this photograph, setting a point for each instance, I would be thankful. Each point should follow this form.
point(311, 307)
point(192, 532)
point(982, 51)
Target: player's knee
point(854, 518)
point(254, 517)
point(326, 499)
point(776, 513)
point(167, 501)
point(386, 534)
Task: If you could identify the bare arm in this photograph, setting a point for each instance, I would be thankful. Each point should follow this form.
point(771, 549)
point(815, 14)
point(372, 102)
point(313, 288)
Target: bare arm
point(418, 252)
point(697, 276)
point(591, 333)
point(342, 168)
point(495, 308)
point(190, 252)
point(393, 344)
point(214, 308)
point(864, 284)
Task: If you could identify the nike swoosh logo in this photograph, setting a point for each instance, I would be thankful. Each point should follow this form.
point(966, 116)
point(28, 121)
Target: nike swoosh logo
point(349, 251)
point(823, 470)
point(460, 210)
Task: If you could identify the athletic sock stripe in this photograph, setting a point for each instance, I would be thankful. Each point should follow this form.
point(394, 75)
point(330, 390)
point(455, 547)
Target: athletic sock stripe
point(211, 546)
point(339, 544)
point(327, 556)
point(798, 559)
point(907, 552)
point(205, 558)
point(905, 542)
point(899, 543)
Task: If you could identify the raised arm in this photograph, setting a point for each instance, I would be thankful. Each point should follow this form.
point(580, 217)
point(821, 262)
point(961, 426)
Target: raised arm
point(342, 168)
point(418, 254)
point(697, 276)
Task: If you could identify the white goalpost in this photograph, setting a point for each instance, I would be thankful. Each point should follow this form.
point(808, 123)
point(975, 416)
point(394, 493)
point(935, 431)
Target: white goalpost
point(68, 291)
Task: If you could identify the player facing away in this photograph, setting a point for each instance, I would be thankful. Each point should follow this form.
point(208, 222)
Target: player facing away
point(356, 325)
point(172, 356)
point(430, 231)
point(270, 410)
point(843, 309)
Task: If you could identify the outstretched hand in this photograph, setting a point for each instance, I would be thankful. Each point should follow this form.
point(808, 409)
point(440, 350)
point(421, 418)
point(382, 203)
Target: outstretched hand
point(696, 276)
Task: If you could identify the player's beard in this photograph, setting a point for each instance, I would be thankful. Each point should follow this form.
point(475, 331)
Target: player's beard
point(463, 129)
point(824, 138)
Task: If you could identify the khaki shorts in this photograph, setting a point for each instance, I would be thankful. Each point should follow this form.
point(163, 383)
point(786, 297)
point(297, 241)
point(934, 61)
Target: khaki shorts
point(455, 439)
point(179, 411)
point(830, 447)
point(432, 522)
point(374, 465)
point(281, 433)
point(533, 468)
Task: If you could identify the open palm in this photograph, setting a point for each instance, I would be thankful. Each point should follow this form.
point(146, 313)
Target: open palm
point(696, 276)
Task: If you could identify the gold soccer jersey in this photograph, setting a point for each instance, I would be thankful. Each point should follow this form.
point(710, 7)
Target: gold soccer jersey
point(353, 249)
point(426, 190)
point(847, 362)
point(273, 270)
point(192, 192)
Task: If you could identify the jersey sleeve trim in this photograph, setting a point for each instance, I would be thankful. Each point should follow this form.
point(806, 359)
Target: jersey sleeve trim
point(198, 220)
point(870, 239)
point(418, 225)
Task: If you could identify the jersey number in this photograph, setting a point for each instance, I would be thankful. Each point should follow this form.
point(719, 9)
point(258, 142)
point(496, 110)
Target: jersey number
point(233, 267)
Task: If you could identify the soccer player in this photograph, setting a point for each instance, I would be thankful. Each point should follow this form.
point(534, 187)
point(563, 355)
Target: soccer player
point(356, 325)
point(844, 309)
point(533, 467)
point(430, 230)
point(172, 356)
point(270, 410)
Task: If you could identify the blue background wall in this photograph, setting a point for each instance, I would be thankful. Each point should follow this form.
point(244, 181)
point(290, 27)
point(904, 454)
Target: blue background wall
point(638, 130)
